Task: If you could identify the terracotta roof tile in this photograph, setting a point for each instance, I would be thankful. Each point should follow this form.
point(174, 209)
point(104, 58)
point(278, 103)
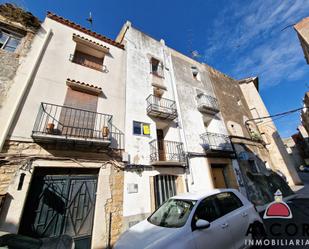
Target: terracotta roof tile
point(88, 40)
point(83, 29)
point(84, 84)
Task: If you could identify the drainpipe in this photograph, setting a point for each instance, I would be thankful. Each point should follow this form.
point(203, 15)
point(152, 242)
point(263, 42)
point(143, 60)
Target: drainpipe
point(175, 95)
point(24, 90)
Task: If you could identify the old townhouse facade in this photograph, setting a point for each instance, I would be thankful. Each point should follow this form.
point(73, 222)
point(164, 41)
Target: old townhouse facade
point(61, 164)
point(65, 166)
point(190, 127)
point(156, 161)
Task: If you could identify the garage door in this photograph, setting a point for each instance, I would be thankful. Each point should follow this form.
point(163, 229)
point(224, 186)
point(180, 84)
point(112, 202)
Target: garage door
point(61, 204)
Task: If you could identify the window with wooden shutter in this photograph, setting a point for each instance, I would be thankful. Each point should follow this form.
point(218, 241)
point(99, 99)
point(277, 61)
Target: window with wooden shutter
point(79, 120)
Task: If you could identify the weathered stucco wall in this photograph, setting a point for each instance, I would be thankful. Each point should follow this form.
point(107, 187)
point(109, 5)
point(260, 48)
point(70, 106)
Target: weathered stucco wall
point(50, 87)
point(140, 49)
point(25, 158)
point(26, 25)
point(280, 159)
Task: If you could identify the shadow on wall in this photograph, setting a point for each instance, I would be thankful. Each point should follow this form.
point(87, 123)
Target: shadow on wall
point(4, 225)
point(280, 145)
point(260, 182)
point(31, 79)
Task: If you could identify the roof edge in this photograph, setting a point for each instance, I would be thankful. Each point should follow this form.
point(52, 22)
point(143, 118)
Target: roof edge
point(83, 29)
point(254, 79)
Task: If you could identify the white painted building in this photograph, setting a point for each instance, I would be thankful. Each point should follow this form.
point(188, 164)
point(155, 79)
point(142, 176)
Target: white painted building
point(162, 128)
point(64, 149)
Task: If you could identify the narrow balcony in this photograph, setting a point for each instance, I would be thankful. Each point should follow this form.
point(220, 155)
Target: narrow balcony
point(161, 107)
point(164, 152)
point(207, 104)
point(68, 124)
point(216, 144)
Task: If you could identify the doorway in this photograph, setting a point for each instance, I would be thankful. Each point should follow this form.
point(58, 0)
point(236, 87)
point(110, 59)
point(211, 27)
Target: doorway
point(161, 146)
point(218, 175)
point(61, 203)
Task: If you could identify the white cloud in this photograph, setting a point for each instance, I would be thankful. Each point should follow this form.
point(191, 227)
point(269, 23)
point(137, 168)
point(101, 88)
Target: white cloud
point(249, 41)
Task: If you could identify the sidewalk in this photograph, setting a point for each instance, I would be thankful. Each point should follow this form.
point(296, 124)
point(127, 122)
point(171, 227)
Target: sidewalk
point(302, 191)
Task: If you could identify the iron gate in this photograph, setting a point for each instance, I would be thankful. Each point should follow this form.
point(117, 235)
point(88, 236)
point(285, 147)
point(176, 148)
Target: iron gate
point(61, 204)
point(164, 187)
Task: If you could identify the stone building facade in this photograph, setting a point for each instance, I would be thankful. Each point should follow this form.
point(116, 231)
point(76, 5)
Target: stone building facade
point(293, 150)
point(18, 29)
point(61, 165)
point(302, 30)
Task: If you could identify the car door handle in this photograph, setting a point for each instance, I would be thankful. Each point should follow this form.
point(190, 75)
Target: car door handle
point(244, 214)
point(225, 225)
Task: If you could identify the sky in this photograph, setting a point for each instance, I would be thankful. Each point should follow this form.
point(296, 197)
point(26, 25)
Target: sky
point(241, 38)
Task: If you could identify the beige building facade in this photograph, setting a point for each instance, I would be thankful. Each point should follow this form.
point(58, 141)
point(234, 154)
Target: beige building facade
point(104, 131)
point(61, 164)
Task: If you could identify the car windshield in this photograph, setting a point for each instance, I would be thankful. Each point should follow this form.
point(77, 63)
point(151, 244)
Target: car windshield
point(173, 213)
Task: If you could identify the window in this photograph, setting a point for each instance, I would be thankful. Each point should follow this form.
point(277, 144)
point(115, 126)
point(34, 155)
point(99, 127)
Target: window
point(80, 119)
point(88, 60)
point(164, 188)
point(157, 67)
point(207, 210)
point(140, 128)
point(195, 73)
point(227, 202)
point(9, 41)
point(89, 53)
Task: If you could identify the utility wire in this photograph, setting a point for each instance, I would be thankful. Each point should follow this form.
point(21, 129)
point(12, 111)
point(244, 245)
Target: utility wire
point(275, 115)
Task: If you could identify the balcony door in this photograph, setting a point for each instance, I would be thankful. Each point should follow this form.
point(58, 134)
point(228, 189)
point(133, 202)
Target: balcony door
point(78, 117)
point(161, 146)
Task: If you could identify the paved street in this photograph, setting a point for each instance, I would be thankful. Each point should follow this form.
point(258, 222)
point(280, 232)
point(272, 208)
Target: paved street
point(297, 225)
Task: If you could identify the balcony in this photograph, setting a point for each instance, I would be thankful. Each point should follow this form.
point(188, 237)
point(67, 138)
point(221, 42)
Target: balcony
point(161, 108)
point(216, 144)
point(207, 104)
point(164, 152)
point(67, 124)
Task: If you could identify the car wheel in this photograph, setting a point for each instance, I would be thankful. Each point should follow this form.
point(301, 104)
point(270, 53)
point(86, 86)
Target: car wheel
point(258, 231)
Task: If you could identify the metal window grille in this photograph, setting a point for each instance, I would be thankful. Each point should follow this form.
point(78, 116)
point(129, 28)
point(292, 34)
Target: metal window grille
point(164, 187)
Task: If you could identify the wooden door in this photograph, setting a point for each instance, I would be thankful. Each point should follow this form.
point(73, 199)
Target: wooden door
point(161, 147)
point(218, 178)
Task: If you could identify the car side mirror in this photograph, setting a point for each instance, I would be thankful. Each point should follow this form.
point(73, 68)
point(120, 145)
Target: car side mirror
point(202, 224)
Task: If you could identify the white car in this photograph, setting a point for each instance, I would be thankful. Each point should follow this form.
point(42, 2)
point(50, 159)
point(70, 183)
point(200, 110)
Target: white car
point(216, 219)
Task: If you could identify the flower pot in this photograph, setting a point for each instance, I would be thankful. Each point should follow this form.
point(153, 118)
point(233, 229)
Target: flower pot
point(105, 131)
point(50, 128)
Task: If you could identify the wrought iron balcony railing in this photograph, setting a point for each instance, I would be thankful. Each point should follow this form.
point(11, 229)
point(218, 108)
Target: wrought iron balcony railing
point(207, 104)
point(55, 122)
point(161, 107)
point(166, 152)
point(216, 142)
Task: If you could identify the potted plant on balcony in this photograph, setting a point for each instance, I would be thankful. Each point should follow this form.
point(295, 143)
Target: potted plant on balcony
point(50, 128)
point(105, 131)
